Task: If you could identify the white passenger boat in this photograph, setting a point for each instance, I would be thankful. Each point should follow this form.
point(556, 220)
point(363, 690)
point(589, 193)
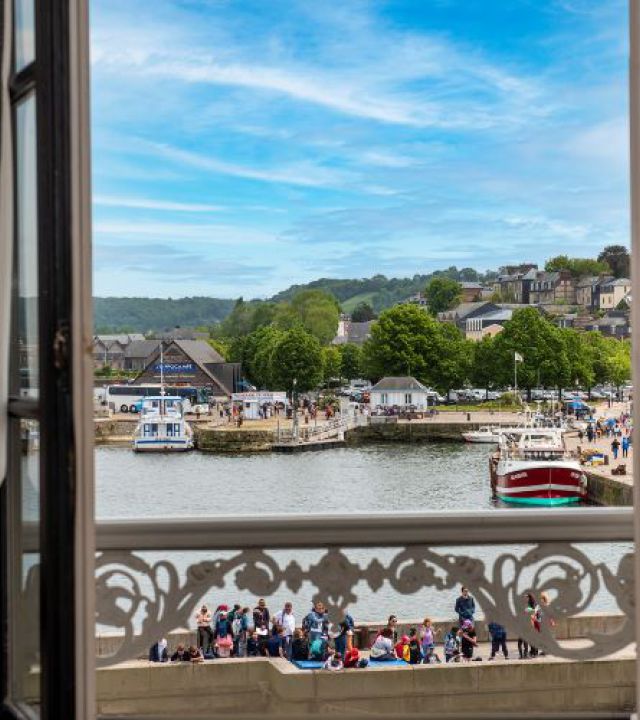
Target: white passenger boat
point(484, 434)
point(162, 427)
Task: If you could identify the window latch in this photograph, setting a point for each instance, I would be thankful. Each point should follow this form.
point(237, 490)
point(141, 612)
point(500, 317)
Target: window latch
point(61, 348)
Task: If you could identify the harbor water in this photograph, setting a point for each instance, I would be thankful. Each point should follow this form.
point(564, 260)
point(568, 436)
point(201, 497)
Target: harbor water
point(371, 478)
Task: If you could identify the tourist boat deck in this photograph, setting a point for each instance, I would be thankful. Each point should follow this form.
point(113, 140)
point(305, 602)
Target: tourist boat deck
point(162, 427)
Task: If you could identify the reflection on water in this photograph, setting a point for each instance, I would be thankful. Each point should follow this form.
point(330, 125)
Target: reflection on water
point(392, 477)
point(442, 476)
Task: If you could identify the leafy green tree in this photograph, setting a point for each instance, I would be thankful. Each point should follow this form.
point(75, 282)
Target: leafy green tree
point(452, 363)
point(254, 352)
point(618, 361)
point(468, 275)
point(263, 315)
point(260, 363)
point(285, 317)
point(442, 293)
point(297, 355)
point(221, 346)
point(578, 267)
point(239, 322)
point(598, 349)
point(404, 341)
point(544, 355)
point(580, 357)
point(363, 312)
point(351, 361)
point(331, 365)
point(618, 259)
point(319, 313)
point(482, 372)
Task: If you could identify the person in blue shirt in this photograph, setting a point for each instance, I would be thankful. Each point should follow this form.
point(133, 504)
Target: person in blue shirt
point(465, 606)
point(498, 639)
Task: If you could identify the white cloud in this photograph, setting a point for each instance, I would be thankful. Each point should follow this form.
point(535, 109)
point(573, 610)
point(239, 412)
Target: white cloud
point(304, 174)
point(146, 204)
point(208, 233)
point(606, 143)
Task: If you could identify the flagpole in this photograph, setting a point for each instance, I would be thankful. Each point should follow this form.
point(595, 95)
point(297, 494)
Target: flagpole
point(515, 372)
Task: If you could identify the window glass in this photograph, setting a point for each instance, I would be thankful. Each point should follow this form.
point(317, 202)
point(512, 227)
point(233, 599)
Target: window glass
point(24, 606)
point(27, 254)
point(24, 42)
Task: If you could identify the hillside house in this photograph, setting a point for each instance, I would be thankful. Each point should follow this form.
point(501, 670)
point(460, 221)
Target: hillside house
point(614, 324)
point(613, 292)
point(110, 349)
point(553, 288)
point(352, 332)
point(471, 291)
point(489, 323)
point(515, 283)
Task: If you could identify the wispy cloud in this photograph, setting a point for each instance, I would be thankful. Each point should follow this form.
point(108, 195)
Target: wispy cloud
point(147, 204)
point(355, 137)
point(207, 233)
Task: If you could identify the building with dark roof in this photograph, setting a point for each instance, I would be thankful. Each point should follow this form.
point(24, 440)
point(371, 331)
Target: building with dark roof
point(110, 349)
point(613, 292)
point(352, 332)
point(194, 363)
point(137, 353)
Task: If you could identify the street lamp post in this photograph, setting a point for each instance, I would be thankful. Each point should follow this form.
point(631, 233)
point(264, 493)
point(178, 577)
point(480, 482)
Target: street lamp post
point(294, 404)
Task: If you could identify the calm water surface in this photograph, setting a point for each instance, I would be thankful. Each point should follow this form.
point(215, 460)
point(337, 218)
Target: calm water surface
point(392, 477)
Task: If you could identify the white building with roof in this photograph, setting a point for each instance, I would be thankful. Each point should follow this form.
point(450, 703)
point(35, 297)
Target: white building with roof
point(613, 292)
point(400, 392)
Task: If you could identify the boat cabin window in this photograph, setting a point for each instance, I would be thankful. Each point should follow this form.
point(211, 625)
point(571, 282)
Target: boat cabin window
point(150, 429)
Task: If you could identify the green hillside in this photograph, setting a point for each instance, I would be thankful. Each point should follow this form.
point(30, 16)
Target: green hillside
point(349, 305)
point(131, 314)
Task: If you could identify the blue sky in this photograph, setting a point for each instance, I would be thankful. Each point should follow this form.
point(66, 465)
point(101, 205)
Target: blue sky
point(240, 146)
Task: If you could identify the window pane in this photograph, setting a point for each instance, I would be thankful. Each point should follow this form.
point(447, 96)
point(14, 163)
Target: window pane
point(24, 33)
point(27, 254)
point(24, 577)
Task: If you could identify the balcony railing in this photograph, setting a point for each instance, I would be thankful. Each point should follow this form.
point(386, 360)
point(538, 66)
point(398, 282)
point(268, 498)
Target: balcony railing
point(163, 598)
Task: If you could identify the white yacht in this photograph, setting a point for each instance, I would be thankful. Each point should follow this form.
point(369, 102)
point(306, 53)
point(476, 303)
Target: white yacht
point(484, 434)
point(162, 427)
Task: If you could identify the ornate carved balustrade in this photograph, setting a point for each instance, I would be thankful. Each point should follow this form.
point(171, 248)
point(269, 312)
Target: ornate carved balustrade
point(131, 589)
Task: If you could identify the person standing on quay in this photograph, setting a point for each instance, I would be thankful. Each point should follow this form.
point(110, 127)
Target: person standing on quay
point(261, 615)
point(615, 445)
point(465, 606)
point(625, 446)
point(287, 622)
point(205, 631)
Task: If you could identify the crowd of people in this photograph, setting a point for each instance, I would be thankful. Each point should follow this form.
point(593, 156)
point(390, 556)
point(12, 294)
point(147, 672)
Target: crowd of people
point(244, 632)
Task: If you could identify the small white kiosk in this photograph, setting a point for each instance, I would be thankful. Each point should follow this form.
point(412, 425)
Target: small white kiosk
point(251, 404)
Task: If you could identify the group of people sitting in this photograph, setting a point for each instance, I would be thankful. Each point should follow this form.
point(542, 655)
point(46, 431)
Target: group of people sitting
point(241, 632)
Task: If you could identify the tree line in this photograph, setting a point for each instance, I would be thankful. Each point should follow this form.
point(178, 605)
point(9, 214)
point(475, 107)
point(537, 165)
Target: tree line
point(406, 340)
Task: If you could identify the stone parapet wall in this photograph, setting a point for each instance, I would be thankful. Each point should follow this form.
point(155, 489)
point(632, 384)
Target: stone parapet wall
point(274, 687)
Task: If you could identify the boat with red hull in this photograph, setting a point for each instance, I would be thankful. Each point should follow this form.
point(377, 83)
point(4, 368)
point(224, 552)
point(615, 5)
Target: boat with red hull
point(535, 468)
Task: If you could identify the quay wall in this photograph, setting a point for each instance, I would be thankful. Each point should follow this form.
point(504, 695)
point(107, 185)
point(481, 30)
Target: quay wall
point(275, 687)
point(409, 432)
point(573, 628)
point(233, 441)
point(609, 491)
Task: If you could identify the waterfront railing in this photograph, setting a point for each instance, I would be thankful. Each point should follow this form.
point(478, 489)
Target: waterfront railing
point(545, 552)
